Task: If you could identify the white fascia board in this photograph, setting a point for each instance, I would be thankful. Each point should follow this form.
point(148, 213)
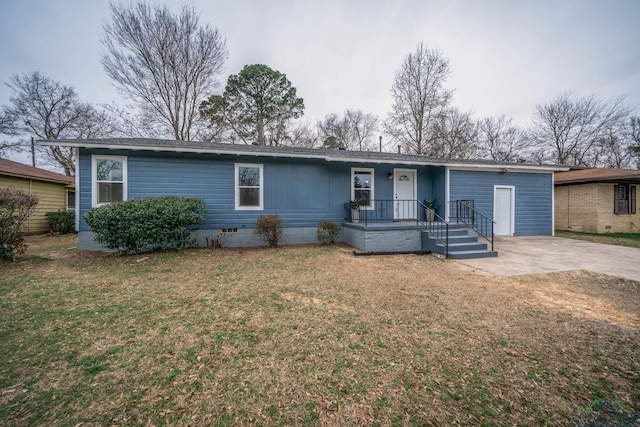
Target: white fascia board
point(328, 158)
point(509, 168)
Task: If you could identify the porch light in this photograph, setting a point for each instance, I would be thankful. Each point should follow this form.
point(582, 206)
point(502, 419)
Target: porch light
point(390, 176)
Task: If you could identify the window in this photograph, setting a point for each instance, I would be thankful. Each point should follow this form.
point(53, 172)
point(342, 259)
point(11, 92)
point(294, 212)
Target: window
point(362, 187)
point(71, 200)
point(109, 179)
point(624, 199)
point(249, 189)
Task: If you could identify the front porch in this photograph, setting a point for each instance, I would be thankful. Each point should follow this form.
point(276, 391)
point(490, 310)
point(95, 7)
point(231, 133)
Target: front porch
point(409, 226)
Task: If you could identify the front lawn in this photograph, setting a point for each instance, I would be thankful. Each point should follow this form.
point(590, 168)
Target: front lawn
point(305, 335)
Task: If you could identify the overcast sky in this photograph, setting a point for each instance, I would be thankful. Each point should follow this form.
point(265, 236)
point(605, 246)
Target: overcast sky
point(505, 56)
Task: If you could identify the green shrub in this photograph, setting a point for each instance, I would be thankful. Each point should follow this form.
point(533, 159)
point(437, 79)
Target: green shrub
point(269, 228)
point(328, 231)
point(146, 224)
point(62, 222)
point(15, 208)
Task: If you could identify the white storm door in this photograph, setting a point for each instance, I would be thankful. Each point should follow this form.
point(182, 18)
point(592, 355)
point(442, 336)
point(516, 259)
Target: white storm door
point(503, 210)
point(404, 189)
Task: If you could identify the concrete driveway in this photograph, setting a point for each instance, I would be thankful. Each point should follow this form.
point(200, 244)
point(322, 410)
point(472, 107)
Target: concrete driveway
point(531, 255)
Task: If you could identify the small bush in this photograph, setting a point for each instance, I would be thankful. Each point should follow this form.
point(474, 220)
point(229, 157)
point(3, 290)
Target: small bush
point(62, 222)
point(269, 228)
point(146, 224)
point(15, 208)
point(328, 231)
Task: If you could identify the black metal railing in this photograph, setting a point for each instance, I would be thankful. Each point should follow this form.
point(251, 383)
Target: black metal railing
point(437, 226)
point(463, 211)
point(385, 211)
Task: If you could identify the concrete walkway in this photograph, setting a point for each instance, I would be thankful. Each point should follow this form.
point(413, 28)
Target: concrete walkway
point(531, 255)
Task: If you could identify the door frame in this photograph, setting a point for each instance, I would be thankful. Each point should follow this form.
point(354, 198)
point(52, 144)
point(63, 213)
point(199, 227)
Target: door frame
point(512, 188)
point(414, 172)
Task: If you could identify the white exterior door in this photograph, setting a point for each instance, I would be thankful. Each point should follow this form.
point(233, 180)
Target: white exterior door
point(404, 189)
point(504, 210)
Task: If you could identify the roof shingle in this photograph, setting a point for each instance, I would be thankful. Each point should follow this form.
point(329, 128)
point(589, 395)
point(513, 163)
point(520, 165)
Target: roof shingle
point(8, 167)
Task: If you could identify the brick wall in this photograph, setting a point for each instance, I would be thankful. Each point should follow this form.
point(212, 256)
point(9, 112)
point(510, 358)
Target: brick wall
point(589, 208)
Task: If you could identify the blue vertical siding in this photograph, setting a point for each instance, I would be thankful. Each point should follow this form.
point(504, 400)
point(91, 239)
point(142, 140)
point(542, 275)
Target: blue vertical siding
point(533, 196)
point(301, 191)
point(437, 175)
point(305, 191)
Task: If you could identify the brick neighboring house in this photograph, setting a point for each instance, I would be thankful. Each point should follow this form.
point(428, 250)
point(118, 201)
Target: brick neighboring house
point(55, 191)
point(597, 200)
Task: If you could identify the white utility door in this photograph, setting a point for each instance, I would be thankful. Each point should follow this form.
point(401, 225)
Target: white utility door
point(404, 189)
point(503, 210)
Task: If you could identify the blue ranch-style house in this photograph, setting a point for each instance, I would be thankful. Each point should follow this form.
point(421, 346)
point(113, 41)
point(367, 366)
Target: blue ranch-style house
point(475, 200)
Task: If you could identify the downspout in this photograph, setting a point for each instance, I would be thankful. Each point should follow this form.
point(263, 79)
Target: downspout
point(30, 211)
point(553, 204)
point(446, 193)
point(77, 190)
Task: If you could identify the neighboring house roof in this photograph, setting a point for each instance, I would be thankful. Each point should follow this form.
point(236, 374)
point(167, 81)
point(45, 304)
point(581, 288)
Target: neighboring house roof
point(8, 167)
point(584, 176)
point(289, 152)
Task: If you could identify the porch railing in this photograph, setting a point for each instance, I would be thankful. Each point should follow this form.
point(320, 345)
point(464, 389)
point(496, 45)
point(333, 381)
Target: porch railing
point(385, 211)
point(463, 211)
point(437, 226)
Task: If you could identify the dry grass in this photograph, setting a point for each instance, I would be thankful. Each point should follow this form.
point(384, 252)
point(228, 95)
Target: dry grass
point(305, 336)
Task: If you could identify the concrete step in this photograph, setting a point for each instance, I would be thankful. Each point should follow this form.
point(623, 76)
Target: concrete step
point(472, 254)
point(462, 239)
point(461, 247)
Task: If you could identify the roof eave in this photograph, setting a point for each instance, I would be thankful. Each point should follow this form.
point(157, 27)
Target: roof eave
point(319, 156)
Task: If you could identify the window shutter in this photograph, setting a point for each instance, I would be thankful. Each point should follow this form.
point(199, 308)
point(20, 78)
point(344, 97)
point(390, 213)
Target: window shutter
point(616, 200)
point(632, 198)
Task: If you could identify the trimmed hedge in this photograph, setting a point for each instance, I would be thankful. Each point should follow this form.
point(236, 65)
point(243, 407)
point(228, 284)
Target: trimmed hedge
point(269, 227)
point(62, 222)
point(147, 224)
point(329, 231)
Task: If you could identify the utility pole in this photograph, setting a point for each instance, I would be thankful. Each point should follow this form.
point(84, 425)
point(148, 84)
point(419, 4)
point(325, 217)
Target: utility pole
point(381, 143)
point(33, 152)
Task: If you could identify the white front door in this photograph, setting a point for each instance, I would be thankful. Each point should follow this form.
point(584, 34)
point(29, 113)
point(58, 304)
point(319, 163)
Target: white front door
point(404, 189)
point(503, 210)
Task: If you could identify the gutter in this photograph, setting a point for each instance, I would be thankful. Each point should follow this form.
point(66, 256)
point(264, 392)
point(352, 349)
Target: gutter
point(327, 158)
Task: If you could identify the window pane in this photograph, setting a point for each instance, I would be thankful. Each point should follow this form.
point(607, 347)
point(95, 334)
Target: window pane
point(249, 177)
point(249, 197)
point(71, 200)
point(362, 180)
point(364, 196)
point(109, 170)
point(622, 192)
point(109, 192)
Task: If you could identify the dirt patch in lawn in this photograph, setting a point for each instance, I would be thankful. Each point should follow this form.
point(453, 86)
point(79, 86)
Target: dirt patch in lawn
point(306, 335)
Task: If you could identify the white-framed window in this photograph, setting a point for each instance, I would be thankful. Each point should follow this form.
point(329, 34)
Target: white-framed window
point(249, 184)
point(71, 200)
point(109, 179)
point(362, 187)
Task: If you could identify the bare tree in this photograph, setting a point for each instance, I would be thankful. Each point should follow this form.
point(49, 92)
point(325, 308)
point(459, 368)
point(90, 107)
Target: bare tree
point(501, 140)
point(303, 135)
point(363, 126)
point(353, 131)
point(633, 131)
point(334, 132)
point(47, 109)
point(165, 63)
point(8, 146)
point(454, 136)
point(569, 130)
point(419, 98)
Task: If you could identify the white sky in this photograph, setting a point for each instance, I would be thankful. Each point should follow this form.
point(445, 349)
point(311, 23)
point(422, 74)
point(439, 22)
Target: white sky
point(505, 56)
